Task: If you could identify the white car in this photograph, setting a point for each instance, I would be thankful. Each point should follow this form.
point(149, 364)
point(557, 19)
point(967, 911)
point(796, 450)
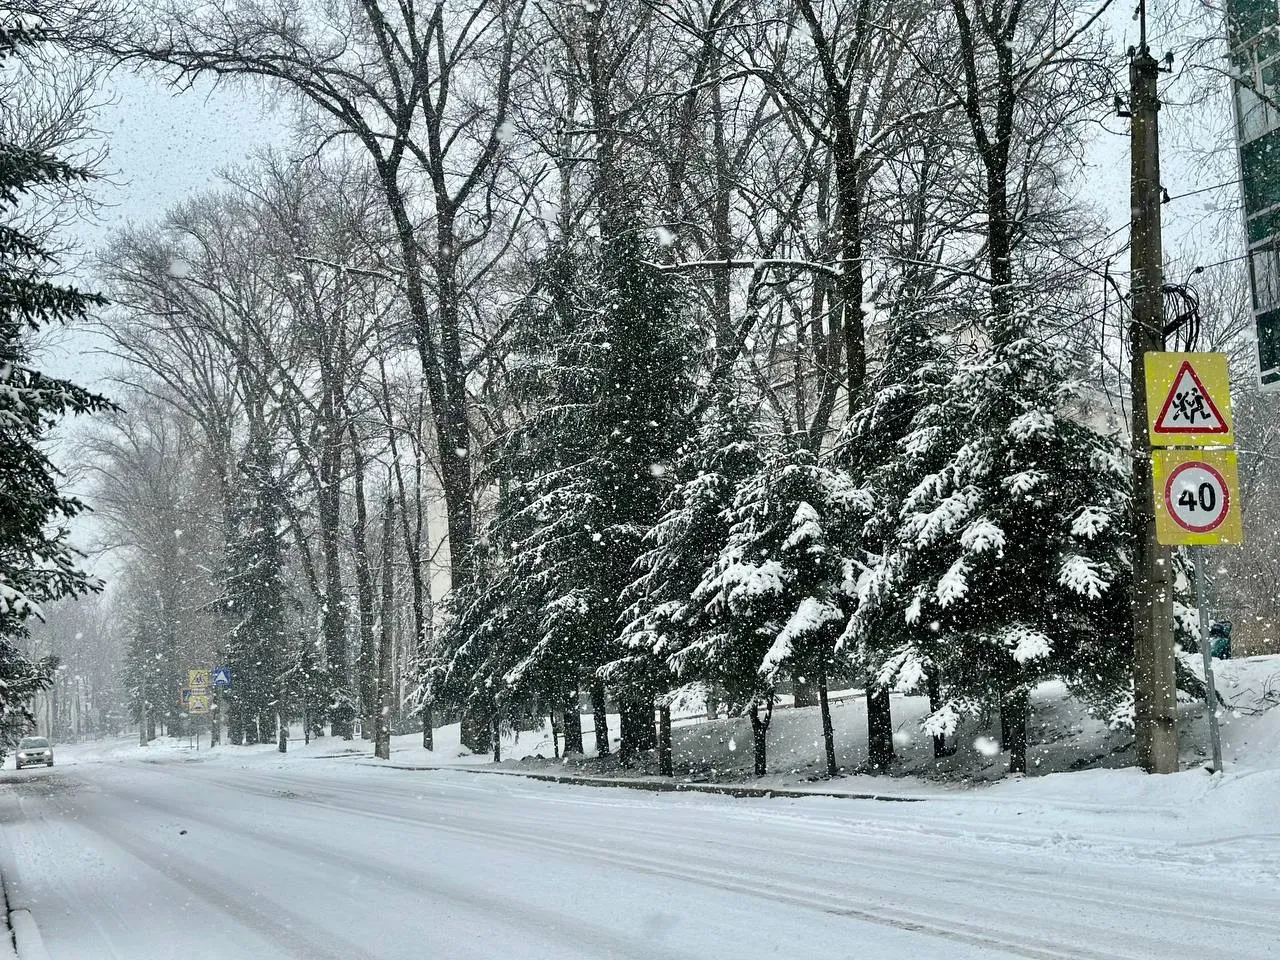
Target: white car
point(32, 751)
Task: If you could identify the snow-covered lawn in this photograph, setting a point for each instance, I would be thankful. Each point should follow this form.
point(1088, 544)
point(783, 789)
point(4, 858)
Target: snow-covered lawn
point(1064, 737)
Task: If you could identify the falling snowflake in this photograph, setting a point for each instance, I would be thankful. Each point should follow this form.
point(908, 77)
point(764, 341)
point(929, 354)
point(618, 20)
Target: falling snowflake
point(986, 746)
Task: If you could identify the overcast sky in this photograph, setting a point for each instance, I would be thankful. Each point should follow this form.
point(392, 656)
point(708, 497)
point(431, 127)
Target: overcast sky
point(165, 145)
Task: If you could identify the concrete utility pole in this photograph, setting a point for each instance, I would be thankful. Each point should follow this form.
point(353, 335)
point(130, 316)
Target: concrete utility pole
point(1155, 698)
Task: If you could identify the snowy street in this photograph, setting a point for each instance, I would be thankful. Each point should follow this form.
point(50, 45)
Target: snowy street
point(315, 858)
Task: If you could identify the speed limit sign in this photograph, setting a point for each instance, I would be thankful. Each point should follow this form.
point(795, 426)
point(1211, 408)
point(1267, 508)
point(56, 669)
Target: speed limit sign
point(1197, 497)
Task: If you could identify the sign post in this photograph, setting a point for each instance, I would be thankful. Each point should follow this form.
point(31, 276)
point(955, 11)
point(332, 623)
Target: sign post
point(1210, 691)
point(221, 679)
point(1197, 491)
point(196, 698)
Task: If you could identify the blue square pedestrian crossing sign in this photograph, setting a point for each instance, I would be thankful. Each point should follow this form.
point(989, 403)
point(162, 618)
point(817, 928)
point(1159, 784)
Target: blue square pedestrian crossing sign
point(222, 676)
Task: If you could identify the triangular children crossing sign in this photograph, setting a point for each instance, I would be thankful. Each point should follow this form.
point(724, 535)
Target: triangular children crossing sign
point(1188, 400)
point(1189, 407)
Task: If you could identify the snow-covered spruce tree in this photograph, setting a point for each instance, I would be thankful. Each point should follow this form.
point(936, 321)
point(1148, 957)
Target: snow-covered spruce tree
point(306, 683)
point(491, 625)
point(662, 619)
point(915, 363)
point(494, 652)
point(1007, 563)
point(255, 595)
point(778, 592)
point(37, 565)
point(616, 387)
point(144, 681)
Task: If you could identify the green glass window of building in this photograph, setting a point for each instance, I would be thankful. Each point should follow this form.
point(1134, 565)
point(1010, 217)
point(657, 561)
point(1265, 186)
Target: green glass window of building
point(1254, 31)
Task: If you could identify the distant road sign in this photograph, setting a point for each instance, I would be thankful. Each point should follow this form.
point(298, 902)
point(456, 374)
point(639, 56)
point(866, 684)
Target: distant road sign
point(1197, 498)
point(222, 676)
point(1189, 397)
point(198, 679)
point(185, 695)
point(198, 704)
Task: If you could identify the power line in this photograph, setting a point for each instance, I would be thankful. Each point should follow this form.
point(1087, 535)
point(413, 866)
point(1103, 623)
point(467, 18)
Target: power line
point(1205, 266)
point(1191, 193)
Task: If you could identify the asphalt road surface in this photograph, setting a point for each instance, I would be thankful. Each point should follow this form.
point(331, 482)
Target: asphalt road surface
point(325, 860)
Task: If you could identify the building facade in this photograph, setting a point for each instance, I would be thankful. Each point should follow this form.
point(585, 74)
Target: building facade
point(1254, 38)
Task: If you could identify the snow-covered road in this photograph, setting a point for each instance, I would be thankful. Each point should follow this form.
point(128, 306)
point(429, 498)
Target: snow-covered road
point(323, 859)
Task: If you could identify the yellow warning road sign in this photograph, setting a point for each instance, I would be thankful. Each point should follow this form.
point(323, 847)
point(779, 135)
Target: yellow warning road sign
point(1188, 400)
point(1197, 496)
point(197, 704)
point(198, 679)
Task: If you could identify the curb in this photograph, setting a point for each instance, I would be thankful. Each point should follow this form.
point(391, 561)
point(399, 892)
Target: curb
point(23, 941)
point(657, 786)
point(26, 936)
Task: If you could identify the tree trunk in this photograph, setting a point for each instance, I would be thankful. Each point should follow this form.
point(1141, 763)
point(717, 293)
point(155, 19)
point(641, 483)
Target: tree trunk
point(443, 370)
point(367, 669)
point(329, 514)
point(599, 710)
point(235, 723)
point(572, 725)
point(412, 526)
point(805, 691)
point(828, 732)
point(382, 728)
point(933, 684)
point(627, 722)
point(713, 704)
point(451, 421)
point(495, 736)
point(879, 729)
point(476, 732)
point(666, 765)
point(760, 736)
point(282, 743)
point(556, 721)
point(1015, 706)
point(638, 731)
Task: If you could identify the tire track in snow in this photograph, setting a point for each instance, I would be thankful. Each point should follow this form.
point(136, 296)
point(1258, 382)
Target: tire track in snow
point(711, 874)
point(1142, 900)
